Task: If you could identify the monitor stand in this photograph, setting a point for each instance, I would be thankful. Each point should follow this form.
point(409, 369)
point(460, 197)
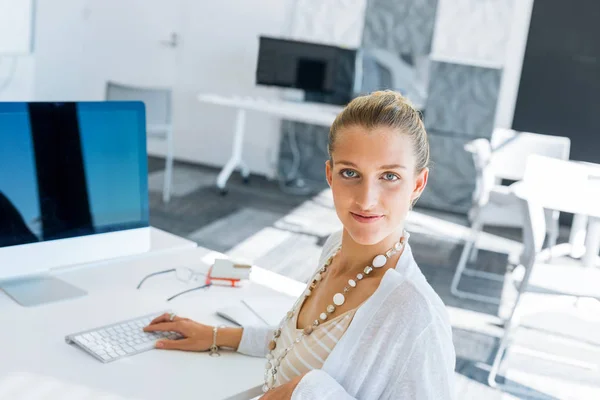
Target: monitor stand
point(34, 291)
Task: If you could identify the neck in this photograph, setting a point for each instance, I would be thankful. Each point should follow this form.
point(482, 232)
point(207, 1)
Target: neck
point(354, 257)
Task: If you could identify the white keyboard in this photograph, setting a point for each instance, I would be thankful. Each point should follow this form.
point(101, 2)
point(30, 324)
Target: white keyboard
point(111, 342)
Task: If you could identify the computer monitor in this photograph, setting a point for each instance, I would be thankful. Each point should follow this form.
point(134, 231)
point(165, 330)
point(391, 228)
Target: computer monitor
point(73, 189)
point(326, 73)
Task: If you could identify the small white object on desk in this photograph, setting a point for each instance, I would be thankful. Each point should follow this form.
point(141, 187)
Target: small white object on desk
point(227, 269)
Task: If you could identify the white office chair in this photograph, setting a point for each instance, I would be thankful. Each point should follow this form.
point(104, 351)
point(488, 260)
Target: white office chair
point(494, 204)
point(158, 119)
point(547, 183)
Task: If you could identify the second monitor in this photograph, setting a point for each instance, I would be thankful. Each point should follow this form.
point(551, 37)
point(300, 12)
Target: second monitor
point(326, 73)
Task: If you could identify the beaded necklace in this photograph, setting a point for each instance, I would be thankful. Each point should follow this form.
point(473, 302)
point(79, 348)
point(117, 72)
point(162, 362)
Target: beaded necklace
point(338, 300)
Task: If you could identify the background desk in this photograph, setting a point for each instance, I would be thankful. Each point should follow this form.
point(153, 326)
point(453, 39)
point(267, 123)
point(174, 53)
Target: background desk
point(36, 362)
point(311, 113)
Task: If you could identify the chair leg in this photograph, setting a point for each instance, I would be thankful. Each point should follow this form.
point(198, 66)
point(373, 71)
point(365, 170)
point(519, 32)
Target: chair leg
point(504, 342)
point(462, 262)
point(461, 269)
point(498, 359)
point(474, 254)
point(168, 168)
point(553, 230)
point(510, 326)
point(578, 235)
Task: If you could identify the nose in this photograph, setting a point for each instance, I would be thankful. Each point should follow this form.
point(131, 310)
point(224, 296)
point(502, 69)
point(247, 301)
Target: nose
point(367, 196)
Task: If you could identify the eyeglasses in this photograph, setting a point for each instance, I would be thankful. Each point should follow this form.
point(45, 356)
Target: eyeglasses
point(182, 274)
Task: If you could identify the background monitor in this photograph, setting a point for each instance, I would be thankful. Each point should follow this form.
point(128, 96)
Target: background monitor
point(73, 184)
point(326, 73)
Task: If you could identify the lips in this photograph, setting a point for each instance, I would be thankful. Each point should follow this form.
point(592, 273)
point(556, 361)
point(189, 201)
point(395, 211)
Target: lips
point(366, 218)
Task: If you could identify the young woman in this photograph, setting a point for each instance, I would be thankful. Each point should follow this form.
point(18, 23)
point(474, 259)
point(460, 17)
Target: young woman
point(369, 326)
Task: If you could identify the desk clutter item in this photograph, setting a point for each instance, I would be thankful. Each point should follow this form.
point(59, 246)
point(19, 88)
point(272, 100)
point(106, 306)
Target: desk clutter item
point(228, 271)
point(254, 311)
point(111, 342)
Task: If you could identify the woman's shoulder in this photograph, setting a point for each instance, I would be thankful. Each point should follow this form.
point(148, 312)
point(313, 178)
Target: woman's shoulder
point(331, 244)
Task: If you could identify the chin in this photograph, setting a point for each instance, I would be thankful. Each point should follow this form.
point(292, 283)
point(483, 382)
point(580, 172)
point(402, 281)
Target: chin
point(366, 236)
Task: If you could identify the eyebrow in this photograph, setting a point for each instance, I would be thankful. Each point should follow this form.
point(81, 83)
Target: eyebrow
point(388, 166)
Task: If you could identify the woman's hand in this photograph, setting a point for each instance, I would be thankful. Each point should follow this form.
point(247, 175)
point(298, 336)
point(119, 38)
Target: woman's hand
point(196, 336)
point(283, 392)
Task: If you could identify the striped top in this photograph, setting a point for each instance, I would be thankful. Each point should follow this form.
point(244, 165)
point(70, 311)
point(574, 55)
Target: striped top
point(312, 350)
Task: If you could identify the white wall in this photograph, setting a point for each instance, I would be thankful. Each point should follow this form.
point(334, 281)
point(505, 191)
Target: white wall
point(78, 47)
point(82, 44)
point(221, 40)
point(16, 61)
point(333, 22)
point(60, 55)
point(16, 78)
point(513, 62)
point(15, 26)
point(472, 32)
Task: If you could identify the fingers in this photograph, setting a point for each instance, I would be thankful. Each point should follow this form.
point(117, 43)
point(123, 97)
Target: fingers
point(166, 317)
point(164, 327)
point(159, 319)
point(183, 344)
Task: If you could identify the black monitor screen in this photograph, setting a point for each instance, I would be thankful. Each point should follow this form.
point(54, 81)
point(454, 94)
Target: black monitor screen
point(310, 74)
point(314, 68)
point(71, 169)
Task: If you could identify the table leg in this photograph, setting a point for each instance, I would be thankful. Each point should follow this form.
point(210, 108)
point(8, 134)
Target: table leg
point(577, 235)
point(236, 154)
point(244, 169)
point(592, 243)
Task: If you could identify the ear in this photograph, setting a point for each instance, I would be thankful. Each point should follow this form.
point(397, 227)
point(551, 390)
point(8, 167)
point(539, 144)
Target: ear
point(420, 184)
point(329, 171)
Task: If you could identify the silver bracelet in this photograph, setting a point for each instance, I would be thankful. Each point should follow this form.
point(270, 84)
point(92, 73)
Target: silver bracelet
point(214, 349)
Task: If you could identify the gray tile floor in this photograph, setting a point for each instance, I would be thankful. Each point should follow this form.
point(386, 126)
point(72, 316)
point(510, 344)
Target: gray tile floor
point(257, 222)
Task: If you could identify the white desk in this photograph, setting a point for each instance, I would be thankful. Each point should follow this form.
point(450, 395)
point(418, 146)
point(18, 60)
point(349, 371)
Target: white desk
point(583, 200)
point(34, 356)
point(592, 218)
point(311, 113)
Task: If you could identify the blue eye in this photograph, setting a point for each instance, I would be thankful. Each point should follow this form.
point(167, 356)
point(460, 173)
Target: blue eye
point(389, 176)
point(348, 173)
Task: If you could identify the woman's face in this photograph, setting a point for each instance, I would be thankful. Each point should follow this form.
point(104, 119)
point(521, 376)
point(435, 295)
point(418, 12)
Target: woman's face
point(373, 180)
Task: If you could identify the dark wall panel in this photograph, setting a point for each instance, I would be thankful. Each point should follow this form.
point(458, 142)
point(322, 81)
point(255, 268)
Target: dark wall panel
point(559, 93)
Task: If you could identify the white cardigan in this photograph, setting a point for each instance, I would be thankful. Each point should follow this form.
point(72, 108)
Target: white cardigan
point(398, 346)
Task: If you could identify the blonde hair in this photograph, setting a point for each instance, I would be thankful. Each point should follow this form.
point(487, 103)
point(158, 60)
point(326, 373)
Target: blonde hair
point(384, 108)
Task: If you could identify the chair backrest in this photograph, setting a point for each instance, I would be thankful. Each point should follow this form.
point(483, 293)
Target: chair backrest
point(485, 178)
point(510, 150)
point(156, 100)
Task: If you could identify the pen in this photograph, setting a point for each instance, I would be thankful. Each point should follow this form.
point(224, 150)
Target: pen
point(255, 313)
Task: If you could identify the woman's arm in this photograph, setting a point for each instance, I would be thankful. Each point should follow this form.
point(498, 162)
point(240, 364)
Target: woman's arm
point(254, 340)
point(318, 384)
point(229, 337)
